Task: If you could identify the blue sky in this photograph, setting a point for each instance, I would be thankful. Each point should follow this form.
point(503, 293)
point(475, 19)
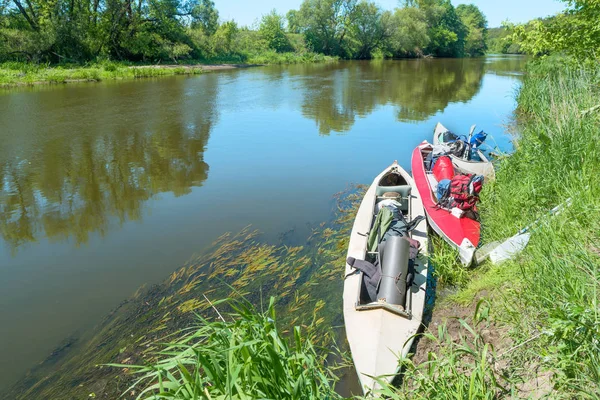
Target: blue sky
point(248, 11)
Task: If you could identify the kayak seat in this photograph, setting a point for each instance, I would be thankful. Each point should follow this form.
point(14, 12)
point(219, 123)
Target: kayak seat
point(402, 190)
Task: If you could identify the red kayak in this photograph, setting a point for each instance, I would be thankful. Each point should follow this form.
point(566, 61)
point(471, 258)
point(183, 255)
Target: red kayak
point(462, 233)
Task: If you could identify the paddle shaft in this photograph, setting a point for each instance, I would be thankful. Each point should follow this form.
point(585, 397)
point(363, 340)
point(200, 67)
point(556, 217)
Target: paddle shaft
point(556, 210)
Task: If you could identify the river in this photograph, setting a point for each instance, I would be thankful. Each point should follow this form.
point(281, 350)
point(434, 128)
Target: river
point(106, 187)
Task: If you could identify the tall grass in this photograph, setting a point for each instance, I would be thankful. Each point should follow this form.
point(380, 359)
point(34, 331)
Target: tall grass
point(552, 291)
point(242, 356)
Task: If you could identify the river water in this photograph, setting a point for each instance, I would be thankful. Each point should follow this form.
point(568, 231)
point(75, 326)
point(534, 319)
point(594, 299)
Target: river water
point(106, 187)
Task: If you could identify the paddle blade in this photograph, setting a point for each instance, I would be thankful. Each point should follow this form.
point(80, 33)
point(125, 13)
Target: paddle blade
point(510, 248)
point(482, 253)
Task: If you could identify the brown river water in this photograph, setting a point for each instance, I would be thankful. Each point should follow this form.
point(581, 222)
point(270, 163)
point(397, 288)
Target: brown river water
point(106, 187)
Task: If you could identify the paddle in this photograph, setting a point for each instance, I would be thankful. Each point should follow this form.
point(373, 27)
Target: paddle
point(500, 251)
point(466, 155)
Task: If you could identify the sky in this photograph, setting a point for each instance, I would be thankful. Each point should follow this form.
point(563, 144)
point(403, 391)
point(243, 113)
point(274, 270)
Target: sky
point(246, 12)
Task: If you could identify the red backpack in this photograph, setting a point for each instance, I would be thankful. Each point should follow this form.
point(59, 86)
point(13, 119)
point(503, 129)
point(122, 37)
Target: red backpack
point(463, 193)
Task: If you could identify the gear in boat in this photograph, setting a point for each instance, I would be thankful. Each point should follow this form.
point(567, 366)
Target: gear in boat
point(389, 267)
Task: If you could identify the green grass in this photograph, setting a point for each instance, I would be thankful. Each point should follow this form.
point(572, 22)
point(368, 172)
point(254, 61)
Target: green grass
point(18, 73)
point(464, 366)
point(13, 73)
point(550, 294)
point(240, 355)
point(447, 267)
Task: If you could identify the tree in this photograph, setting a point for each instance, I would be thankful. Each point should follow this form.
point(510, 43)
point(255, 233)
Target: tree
point(205, 15)
point(271, 30)
point(371, 28)
point(445, 30)
point(476, 26)
point(293, 21)
point(325, 24)
point(409, 37)
point(222, 40)
point(575, 32)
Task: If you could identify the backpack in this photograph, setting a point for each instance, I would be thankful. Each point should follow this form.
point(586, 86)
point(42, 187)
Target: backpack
point(463, 193)
point(477, 139)
point(443, 189)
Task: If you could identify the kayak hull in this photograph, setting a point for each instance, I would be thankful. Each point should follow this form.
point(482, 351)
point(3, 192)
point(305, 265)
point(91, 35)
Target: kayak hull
point(461, 233)
point(378, 337)
point(483, 167)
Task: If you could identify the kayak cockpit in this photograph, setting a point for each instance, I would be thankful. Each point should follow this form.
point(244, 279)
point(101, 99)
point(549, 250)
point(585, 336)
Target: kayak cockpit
point(389, 250)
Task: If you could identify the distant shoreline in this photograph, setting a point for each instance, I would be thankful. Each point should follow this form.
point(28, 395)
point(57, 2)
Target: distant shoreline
point(56, 75)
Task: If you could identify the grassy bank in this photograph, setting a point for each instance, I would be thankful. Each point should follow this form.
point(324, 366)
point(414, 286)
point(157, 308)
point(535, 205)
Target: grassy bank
point(550, 295)
point(544, 304)
point(16, 74)
point(19, 73)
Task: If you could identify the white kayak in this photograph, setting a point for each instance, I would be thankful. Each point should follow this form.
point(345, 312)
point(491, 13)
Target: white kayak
point(483, 167)
point(380, 331)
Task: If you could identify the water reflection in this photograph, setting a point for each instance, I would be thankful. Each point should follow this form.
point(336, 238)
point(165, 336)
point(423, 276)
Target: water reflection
point(75, 160)
point(97, 160)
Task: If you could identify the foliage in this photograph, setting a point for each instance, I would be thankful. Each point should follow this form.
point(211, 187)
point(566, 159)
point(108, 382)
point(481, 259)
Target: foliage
point(554, 286)
point(410, 38)
point(325, 24)
point(359, 29)
point(446, 30)
point(79, 31)
point(370, 30)
point(576, 31)
point(272, 31)
point(500, 41)
point(205, 16)
point(243, 356)
point(462, 367)
point(476, 24)
point(447, 268)
point(15, 73)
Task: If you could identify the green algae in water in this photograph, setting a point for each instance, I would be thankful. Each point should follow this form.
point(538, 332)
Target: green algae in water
point(306, 281)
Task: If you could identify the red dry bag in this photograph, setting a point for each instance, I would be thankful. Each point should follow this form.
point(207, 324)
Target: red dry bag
point(443, 168)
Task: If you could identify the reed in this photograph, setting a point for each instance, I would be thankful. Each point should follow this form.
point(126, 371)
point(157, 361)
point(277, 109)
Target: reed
point(241, 355)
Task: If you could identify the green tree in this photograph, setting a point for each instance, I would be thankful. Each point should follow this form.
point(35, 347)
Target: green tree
point(575, 32)
point(410, 34)
point(222, 40)
point(445, 30)
point(476, 26)
point(205, 15)
point(271, 30)
point(326, 23)
point(370, 29)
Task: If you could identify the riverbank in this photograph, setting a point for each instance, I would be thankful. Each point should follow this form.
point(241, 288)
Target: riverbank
point(28, 74)
point(530, 327)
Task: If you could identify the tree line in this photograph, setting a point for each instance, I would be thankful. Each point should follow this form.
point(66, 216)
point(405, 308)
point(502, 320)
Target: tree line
point(75, 31)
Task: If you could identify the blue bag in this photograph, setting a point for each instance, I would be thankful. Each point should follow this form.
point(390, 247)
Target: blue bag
point(477, 139)
point(443, 189)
